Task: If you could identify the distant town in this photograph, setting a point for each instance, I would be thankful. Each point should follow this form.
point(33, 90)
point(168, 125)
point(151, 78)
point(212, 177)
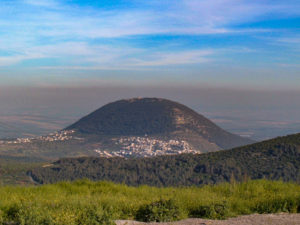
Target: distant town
point(147, 147)
point(128, 146)
point(57, 136)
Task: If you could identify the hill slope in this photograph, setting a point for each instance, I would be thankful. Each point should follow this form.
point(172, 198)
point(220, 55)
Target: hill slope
point(160, 118)
point(274, 159)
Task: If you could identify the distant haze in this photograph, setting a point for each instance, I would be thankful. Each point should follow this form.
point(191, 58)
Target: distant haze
point(257, 114)
point(234, 61)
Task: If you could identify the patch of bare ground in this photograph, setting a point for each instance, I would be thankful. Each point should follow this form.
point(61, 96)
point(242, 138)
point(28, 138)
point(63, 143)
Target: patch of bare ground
point(254, 219)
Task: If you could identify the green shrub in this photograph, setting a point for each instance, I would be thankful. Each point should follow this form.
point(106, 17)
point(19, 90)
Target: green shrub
point(12, 213)
point(26, 215)
point(93, 215)
point(159, 211)
point(1, 217)
point(213, 211)
point(276, 205)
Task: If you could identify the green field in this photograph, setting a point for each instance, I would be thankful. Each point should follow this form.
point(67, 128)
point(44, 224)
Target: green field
point(86, 202)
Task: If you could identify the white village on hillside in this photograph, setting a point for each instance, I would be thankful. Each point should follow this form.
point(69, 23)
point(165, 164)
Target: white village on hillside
point(147, 147)
point(129, 146)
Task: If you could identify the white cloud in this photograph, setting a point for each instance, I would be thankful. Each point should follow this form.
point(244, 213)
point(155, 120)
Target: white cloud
point(12, 60)
point(42, 3)
point(290, 40)
point(175, 58)
point(82, 56)
point(7, 61)
point(69, 31)
point(181, 17)
point(217, 16)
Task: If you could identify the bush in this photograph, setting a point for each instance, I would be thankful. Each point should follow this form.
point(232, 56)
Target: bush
point(276, 205)
point(94, 216)
point(159, 211)
point(25, 214)
point(12, 214)
point(213, 211)
point(1, 217)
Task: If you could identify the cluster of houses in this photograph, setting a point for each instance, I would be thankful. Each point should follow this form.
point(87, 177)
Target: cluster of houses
point(57, 136)
point(147, 147)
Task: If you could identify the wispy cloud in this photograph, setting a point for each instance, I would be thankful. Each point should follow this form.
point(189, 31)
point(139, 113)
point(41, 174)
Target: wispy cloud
point(60, 20)
point(175, 58)
point(84, 57)
point(220, 12)
point(14, 59)
point(85, 37)
point(289, 40)
point(41, 3)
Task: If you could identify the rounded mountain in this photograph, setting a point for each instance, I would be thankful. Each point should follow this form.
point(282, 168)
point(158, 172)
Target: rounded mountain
point(160, 118)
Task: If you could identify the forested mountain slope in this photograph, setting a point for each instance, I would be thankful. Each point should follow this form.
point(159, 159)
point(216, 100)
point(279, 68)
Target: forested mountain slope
point(275, 159)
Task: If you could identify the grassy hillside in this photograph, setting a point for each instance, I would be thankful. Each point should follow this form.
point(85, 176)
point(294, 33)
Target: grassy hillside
point(274, 159)
point(85, 202)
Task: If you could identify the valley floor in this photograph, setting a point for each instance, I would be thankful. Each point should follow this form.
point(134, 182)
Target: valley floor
point(254, 219)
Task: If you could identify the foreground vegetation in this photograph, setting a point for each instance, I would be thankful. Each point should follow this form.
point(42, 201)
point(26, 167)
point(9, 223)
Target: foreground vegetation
point(86, 202)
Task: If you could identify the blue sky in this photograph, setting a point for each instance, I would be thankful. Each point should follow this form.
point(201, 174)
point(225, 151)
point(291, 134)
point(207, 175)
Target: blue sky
point(226, 43)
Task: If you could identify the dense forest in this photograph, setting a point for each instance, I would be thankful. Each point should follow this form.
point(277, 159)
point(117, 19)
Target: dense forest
point(276, 159)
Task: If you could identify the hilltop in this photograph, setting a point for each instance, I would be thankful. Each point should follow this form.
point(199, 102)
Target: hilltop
point(156, 117)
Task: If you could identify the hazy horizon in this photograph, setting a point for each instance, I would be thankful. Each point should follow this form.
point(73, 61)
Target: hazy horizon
point(257, 114)
point(234, 61)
